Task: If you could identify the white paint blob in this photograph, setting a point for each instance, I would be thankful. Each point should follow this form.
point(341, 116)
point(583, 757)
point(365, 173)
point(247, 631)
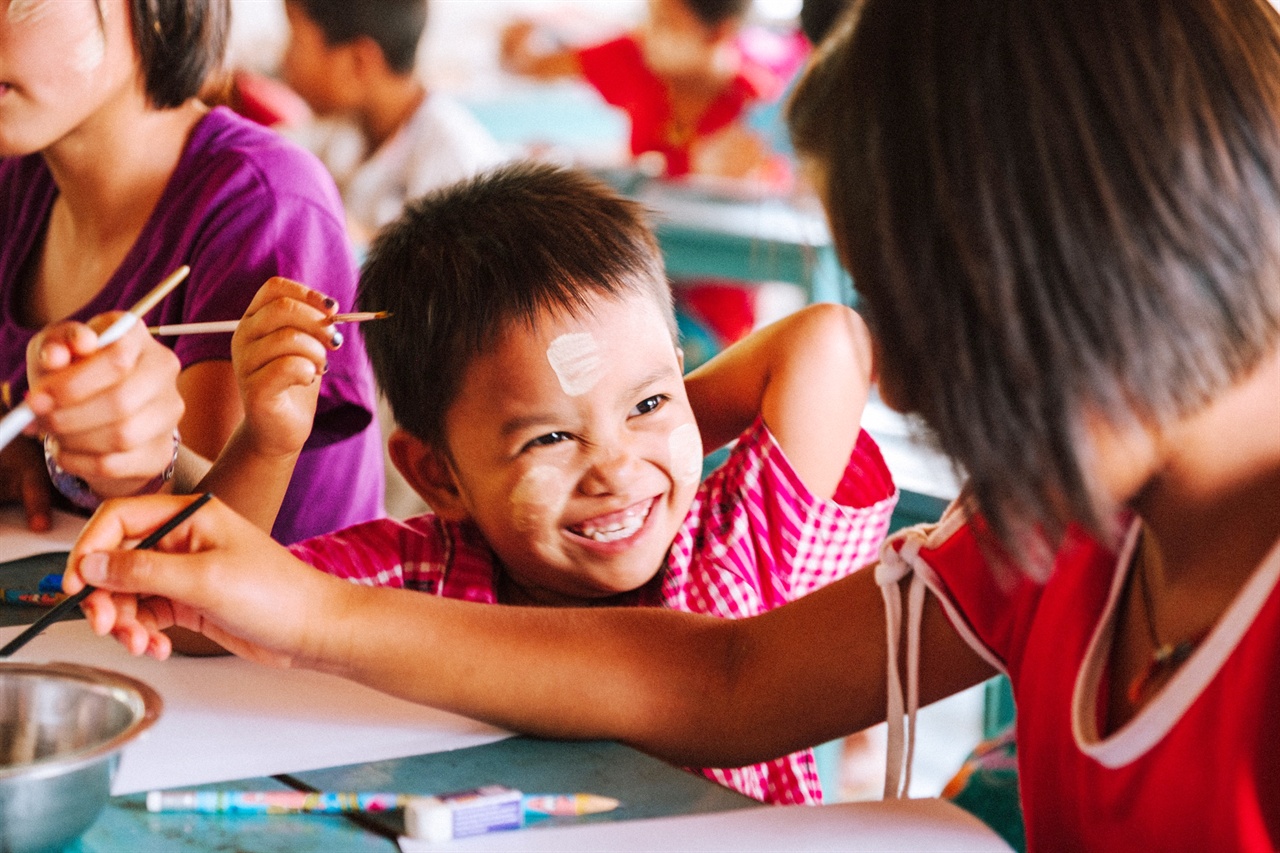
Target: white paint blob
point(89, 52)
point(685, 446)
point(577, 362)
point(537, 499)
point(23, 11)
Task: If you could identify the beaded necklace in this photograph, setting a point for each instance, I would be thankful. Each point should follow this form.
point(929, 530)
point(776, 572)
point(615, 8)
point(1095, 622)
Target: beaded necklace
point(1165, 657)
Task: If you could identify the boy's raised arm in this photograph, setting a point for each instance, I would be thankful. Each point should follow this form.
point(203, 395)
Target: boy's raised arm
point(809, 375)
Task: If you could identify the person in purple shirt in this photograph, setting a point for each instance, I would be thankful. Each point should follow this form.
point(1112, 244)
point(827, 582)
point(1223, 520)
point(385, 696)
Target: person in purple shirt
point(112, 175)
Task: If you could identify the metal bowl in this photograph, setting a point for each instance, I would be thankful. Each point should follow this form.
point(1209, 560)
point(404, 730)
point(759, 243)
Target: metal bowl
point(62, 727)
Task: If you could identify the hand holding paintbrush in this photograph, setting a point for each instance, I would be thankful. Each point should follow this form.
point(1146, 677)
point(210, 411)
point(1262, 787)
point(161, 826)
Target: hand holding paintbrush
point(22, 415)
point(280, 353)
point(219, 575)
point(88, 390)
point(67, 604)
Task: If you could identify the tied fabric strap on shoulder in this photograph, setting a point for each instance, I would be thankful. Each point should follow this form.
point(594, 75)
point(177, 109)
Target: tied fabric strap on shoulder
point(895, 564)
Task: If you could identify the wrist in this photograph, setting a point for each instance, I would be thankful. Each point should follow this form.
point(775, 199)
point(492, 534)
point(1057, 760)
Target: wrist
point(76, 490)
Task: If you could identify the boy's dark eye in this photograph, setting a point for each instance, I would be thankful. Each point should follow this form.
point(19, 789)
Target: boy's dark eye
point(549, 438)
point(649, 404)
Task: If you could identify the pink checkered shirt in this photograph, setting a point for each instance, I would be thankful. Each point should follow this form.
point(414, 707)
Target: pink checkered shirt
point(754, 538)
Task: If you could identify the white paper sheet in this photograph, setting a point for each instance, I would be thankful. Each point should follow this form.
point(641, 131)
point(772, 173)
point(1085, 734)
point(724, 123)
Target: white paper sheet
point(911, 826)
point(226, 718)
point(16, 541)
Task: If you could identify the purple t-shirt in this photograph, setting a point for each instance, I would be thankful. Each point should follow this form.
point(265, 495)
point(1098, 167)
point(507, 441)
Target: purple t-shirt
point(242, 205)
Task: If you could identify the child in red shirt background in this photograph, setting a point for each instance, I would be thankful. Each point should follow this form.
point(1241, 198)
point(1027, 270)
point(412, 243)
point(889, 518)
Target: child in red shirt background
point(685, 78)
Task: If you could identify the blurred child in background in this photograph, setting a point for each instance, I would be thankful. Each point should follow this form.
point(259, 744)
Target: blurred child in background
point(382, 134)
point(684, 78)
point(384, 137)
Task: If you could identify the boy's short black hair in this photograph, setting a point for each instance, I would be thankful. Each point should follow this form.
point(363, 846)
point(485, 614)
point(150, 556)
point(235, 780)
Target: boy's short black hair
point(178, 42)
point(396, 26)
point(716, 12)
point(1053, 212)
point(465, 263)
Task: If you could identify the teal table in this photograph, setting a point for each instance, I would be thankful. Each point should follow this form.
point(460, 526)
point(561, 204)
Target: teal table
point(764, 240)
point(26, 574)
point(646, 787)
point(761, 237)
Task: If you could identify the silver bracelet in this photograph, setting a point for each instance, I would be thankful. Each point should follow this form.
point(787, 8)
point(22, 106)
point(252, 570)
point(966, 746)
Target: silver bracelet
point(76, 490)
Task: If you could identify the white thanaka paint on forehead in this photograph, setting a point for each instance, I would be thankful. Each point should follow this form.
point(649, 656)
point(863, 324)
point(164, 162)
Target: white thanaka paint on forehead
point(685, 447)
point(25, 11)
point(577, 362)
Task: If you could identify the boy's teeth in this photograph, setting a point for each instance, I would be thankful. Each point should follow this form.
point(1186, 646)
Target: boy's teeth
point(612, 532)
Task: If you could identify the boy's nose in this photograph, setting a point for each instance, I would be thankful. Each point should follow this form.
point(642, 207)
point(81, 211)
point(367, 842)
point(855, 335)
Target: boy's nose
point(610, 470)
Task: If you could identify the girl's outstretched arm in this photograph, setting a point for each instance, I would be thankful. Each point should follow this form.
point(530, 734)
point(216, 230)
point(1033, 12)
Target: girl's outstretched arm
point(809, 374)
point(691, 689)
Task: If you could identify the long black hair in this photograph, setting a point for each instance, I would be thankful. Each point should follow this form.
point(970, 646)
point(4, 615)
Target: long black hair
point(1053, 212)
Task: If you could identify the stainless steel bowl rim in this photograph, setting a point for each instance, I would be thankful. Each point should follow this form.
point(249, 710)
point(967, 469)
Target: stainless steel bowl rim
point(56, 765)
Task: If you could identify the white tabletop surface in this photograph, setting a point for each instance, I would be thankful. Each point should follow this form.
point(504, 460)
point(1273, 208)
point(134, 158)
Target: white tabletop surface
point(894, 825)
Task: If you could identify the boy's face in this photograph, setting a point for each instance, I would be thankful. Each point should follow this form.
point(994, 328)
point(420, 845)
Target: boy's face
point(575, 451)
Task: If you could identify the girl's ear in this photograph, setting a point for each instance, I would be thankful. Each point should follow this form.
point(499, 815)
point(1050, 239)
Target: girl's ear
point(426, 468)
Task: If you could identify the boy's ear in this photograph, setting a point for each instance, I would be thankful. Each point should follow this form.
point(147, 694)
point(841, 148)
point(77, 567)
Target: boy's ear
point(426, 468)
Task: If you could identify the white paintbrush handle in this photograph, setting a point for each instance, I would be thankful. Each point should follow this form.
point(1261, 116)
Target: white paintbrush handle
point(212, 327)
point(12, 424)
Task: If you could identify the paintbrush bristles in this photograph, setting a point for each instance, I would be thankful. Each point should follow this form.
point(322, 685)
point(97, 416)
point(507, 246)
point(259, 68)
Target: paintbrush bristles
point(360, 316)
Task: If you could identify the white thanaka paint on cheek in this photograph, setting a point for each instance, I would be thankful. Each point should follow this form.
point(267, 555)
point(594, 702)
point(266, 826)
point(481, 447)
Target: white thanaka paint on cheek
point(685, 446)
point(577, 362)
point(25, 11)
point(89, 52)
point(537, 499)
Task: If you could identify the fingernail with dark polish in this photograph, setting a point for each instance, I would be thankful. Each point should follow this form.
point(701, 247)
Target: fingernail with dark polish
point(336, 340)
